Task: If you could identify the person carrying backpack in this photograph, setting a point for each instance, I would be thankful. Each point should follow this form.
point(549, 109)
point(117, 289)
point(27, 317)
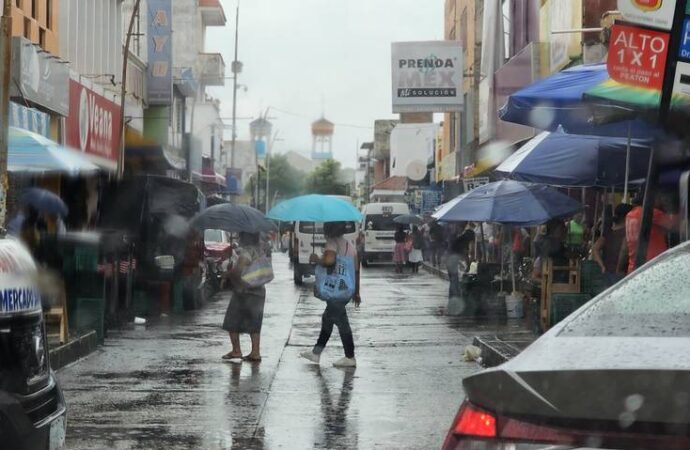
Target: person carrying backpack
point(336, 314)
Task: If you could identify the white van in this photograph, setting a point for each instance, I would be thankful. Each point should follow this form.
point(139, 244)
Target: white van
point(308, 238)
point(379, 230)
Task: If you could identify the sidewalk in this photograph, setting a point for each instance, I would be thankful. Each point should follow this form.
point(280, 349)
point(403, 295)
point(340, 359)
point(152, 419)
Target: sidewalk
point(502, 341)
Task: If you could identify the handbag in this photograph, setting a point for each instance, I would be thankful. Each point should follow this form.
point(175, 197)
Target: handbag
point(258, 273)
point(337, 283)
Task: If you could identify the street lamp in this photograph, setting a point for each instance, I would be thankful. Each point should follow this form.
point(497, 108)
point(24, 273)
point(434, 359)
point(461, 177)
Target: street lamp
point(236, 70)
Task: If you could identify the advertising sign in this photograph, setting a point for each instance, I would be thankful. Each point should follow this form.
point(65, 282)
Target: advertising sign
point(684, 49)
point(637, 56)
point(233, 180)
point(473, 183)
point(159, 72)
point(680, 100)
point(39, 77)
point(653, 13)
point(93, 124)
point(427, 76)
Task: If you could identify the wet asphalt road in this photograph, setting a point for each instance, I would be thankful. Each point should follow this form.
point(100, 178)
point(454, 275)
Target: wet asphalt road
point(164, 386)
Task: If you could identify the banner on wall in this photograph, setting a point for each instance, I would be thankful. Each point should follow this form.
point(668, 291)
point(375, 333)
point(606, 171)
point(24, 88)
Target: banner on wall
point(159, 72)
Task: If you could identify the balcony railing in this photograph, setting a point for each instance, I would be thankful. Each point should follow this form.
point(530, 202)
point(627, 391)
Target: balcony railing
point(212, 69)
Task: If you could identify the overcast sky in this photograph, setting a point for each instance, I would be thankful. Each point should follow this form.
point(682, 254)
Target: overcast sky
point(304, 56)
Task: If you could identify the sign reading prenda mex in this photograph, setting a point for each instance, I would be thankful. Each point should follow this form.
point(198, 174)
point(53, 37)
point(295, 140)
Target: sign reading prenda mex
point(428, 80)
point(426, 76)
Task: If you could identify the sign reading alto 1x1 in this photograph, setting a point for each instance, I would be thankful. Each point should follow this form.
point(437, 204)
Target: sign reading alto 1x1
point(427, 76)
point(637, 56)
point(653, 13)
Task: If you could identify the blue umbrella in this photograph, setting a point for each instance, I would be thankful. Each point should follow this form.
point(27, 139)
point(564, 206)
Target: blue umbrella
point(232, 218)
point(558, 101)
point(44, 201)
point(562, 159)
point(315, 208)
point(509, 202)
point(31, 152)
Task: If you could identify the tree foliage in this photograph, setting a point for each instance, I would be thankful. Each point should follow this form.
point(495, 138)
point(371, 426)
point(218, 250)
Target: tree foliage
point(326, 179)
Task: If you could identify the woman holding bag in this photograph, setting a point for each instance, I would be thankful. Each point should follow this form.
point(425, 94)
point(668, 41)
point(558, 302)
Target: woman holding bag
point(335, 313)
point(246, 309)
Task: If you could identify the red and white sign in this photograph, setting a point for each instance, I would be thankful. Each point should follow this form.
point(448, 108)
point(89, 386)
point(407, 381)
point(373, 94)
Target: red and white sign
point(653, 13)
point(93, 123)
point(637, 56)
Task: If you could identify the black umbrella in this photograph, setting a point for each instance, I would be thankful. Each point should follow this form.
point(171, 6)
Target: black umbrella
point(233, 218)
point(44, 201)
point(408, 219)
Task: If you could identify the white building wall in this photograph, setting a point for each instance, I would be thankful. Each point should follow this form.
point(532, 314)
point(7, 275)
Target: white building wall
point(91, 36)
point(411, 142)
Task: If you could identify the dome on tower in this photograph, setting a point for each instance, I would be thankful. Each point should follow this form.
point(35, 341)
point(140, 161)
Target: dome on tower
point(322, 127)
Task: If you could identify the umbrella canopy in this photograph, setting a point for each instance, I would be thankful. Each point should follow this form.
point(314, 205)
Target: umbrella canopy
point(509, 202)
point(559, 100)
point(409, 219)
point(31, 152)
point(44, 201)
point(233, 218)
point(562, 159)
point(315, 208)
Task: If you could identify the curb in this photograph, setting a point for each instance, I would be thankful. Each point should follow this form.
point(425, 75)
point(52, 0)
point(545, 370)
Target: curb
point(494, 351)
point(435, 271)
point(74, 350)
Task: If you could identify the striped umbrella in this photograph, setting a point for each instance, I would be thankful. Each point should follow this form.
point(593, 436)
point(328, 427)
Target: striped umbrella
point(31, 152)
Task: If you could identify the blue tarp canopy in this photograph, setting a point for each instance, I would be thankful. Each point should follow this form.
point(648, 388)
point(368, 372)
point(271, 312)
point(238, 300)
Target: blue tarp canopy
point(561, 159)
point(558, 100)
point(31, 152)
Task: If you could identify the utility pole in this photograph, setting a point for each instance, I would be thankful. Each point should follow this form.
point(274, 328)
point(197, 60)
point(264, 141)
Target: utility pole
point(123, 90)
point(236, 69)
point(268, 166)
point(6, 58)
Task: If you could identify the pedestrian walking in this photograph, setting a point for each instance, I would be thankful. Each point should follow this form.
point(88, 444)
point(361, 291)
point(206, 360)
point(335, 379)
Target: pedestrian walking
point(399, 253)
point(458, 258)
point(416, 257)
point(662, 224)
point(336, 313)
point(607, 248)
point(246, 309)
point(438, 243)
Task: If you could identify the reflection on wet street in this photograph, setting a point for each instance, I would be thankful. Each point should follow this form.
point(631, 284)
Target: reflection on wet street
point(164, 386)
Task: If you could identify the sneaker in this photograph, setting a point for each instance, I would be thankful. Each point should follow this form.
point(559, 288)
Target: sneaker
point(311, 356)
point(345, 362)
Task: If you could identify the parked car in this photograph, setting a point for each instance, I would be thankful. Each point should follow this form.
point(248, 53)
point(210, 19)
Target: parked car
point(217, 254)
point(614, 374)
point(32, 407)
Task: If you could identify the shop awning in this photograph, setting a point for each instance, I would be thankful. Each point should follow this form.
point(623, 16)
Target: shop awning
point(29, 152)
point(143, 155)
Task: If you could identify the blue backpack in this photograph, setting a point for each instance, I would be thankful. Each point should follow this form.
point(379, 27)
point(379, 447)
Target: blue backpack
point(337, 283)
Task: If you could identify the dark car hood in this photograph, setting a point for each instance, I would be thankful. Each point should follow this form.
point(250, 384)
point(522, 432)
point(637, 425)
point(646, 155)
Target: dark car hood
point(602, 378)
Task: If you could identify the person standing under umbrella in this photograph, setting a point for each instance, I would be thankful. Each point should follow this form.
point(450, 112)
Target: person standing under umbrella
point(399, 254)
point(335, 313)
point(416, 256)
point(246, 309)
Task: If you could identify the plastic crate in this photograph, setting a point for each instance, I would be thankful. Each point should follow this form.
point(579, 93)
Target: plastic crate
point(593, 281)
point(562, 305)
point(89, 314)
point(85, 259)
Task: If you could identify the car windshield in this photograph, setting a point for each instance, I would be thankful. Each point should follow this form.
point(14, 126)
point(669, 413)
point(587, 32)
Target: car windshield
point(381, 222)
point(654, 302)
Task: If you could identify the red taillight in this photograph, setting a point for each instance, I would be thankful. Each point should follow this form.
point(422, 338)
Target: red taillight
point(472, 421)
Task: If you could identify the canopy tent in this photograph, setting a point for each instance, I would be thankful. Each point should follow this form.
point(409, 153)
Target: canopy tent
point(29, 152)
point(562, 159)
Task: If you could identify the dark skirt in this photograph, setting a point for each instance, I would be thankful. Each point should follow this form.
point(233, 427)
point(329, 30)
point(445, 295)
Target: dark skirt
point(245, 312)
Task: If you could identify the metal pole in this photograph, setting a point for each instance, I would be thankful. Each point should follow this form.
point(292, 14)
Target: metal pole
point(235, 70)
point(123, 90)
point(6, 58)
point(269, 150)
point(627, 163)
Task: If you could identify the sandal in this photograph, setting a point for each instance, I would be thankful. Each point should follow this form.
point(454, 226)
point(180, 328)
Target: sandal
point(230, 355)
point(251, 358)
